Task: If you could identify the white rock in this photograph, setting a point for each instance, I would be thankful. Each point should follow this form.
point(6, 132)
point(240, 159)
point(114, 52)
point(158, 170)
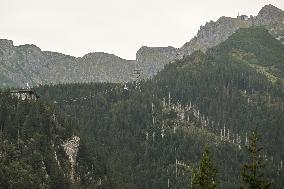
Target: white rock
point(71, 149)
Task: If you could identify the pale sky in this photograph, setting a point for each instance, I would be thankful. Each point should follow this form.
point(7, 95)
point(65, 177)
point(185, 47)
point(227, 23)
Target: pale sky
point(120, 27)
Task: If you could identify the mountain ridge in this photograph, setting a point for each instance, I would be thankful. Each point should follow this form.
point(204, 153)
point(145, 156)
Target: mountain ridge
point(29, 64)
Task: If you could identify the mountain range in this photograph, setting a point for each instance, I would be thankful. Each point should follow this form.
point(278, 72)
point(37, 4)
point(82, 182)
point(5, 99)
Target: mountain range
point(29, 64)
point(212, 93)
point(152, 135)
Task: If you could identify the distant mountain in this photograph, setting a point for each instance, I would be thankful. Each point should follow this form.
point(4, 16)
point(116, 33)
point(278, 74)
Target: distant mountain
point(28, 64)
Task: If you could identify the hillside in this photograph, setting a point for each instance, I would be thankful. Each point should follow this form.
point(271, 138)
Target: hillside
point(153, 133)
point(241, 78)
point(140, 137)
point(29, 64)
point(41, 148)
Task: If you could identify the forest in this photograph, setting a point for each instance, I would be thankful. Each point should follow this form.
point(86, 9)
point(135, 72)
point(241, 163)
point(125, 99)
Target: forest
point(199, 112)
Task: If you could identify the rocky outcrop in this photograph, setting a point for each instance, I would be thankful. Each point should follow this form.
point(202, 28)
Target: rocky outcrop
point(28, 64)
point(268, 16)
point(213, 33)
point(102, 67)
point(71, 148)
point(6, 49)
point(152, 59)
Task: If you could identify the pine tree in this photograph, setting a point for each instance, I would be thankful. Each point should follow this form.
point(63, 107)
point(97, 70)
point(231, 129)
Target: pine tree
point(252, 172)
point(205, 177)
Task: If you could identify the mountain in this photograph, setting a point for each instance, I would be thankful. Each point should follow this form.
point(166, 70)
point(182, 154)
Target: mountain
point(153, 59)
point(102, 67)
point(29, 64)
point(213, 33)
point(152, 134)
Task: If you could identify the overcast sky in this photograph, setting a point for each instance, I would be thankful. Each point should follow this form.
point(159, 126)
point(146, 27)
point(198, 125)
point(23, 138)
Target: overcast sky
point(120, 27)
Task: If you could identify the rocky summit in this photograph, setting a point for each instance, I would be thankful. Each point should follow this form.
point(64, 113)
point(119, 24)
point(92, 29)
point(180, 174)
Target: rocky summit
point(213, 33)
point(29, 64)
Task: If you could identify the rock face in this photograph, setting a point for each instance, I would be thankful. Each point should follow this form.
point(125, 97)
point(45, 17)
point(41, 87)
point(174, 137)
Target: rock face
point(6, 49)
point(71, 149)
point(268, 16)
point(104, 67)
point(213, 33)
point(152, 59)
point(28, 64)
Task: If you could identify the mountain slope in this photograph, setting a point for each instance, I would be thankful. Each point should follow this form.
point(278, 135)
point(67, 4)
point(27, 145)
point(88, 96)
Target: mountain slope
point(27, 63)
point(40, 148)
point(153, 133)
point(238, 84)
point(140, 137)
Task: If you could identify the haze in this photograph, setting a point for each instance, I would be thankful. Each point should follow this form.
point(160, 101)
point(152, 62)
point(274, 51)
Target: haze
point(118, 27)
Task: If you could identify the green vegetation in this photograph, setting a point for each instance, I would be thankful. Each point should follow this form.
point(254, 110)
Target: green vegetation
point(152, 135)
point(31, 151)
point(253, 173)
point(227, 91)
point(206, 175)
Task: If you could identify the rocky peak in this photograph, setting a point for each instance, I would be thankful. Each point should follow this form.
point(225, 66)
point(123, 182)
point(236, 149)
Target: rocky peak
point(29, 48)
point(100, 57)
point(58, 57)
point(145, 51)
point(270, 10)
point(6, 48)
point(213, 33)
point(268, 15)
point(152, 59)
point(34, 55)
point(156, 49)
point(105, 59)
point(5, 43)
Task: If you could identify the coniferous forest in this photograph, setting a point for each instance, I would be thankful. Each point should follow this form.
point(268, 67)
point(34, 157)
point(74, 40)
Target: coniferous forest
point(213, 119)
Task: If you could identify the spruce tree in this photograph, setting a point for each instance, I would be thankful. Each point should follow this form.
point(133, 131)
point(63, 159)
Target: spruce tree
point(205, 177)
point(252, 172)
